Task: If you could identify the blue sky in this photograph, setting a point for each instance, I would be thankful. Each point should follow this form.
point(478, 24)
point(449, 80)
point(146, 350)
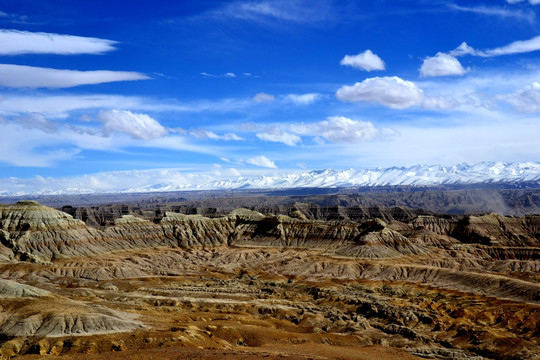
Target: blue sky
point(254, 87)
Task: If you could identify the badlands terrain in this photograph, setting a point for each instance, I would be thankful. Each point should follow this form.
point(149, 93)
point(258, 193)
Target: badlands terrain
point(295, 280)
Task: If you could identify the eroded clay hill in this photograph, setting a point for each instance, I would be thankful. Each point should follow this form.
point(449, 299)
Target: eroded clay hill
point(247, 285)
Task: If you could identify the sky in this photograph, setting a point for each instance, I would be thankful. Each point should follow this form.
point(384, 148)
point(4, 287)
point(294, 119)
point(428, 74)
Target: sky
point(236, 88)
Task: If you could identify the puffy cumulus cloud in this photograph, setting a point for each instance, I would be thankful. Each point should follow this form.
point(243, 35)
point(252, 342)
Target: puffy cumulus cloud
point(393, 92)
point(304, 99)
point(441, 65)
point(19, 76)
point(366, 60)
point(139, 126)
point(275, 134)
point(263, 97)
point(526, 100)
point(16, 42)
point(206, 134)
point(261, 161)
point(341, 129)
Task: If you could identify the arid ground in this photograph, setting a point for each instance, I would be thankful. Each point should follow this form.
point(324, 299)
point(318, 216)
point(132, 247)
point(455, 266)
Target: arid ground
point(263, 286)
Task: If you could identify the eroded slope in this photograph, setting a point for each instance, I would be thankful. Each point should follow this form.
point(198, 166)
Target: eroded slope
point(250, 284)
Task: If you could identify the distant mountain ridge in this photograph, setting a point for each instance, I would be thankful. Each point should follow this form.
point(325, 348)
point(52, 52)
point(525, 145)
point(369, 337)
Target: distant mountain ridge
point(417, 175)
point(165, 180)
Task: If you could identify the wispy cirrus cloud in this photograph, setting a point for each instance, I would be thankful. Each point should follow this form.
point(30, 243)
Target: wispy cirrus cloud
point(15, 42)
point(443, 64)
point(516, 47)
point(263, 97)
point(20, 76)
point(60, 106)
point(295, 11)
point(303, 99)
point(276, 134)
point(525, 100)
point(49, 142)
point(206, 134)
point(225, 75)
point(497, 11)
point(532, 2)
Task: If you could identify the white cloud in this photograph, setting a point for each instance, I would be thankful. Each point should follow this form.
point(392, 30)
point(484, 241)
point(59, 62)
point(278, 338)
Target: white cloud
point(463, 49)
point(393, 92)
point(441, 65)
point(34, 150)
point(275, 134)
point(139, 126)
point(501, 12)
point(205, 134)
point(16, 42)
point(267, 12)
point(516, 47)
point(37, 121)
point(19, 76)
point(305, 99)
point(226, 75)
point(262, 97)
point(261, 161)
point(341, 129)
point(526, 100)
point(367, 61)
point(532, 2)
point(59, 106)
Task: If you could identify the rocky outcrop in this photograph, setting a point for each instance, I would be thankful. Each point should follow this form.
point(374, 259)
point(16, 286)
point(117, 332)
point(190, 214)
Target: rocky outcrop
point(437, 286)
point(41, 234)
point(38, 318)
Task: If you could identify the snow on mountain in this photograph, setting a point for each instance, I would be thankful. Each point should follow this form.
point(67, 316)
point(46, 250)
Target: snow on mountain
point(415, 175)
point(181, 180)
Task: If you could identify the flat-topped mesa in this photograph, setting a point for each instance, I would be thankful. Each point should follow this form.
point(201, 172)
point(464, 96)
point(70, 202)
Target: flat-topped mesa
point(40, 233)
point(494, 229)
point(197, 230)
point(246, 215)
point(373, 239)
point(30, 231)
point(31, 215)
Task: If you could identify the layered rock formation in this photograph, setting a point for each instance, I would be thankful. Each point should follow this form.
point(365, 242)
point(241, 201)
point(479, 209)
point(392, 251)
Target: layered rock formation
point(434, 286)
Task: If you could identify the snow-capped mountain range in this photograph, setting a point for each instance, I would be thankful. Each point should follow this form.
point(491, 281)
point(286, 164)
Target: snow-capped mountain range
point(229, 179)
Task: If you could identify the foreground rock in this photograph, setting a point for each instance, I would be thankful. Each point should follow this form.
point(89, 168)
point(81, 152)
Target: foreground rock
point(247, 283)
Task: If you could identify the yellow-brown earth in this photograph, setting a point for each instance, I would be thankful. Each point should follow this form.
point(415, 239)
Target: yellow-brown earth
point(250, 286)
